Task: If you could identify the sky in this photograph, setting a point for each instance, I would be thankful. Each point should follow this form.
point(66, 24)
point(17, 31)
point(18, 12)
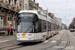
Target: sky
point(64, 9)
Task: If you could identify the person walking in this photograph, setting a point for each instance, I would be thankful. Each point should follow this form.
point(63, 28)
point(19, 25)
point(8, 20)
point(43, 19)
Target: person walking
point(9, 29)
point(12, 31)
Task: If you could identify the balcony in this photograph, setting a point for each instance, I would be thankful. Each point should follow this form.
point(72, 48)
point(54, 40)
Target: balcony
point(34, 5)
point(4, 4)
point(11, 7)
point(17, 9)
point(9, 15)
point(7, 6)
point(2, 13)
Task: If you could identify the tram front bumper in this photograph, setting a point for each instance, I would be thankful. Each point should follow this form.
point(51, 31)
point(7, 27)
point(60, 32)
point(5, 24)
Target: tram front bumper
point(35, 40)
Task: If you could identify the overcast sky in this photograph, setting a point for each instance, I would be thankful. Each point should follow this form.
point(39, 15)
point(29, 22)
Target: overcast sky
point(59, 8)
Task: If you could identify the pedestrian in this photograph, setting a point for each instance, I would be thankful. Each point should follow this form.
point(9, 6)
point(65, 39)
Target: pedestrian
point(9, 29)
point(12, 31)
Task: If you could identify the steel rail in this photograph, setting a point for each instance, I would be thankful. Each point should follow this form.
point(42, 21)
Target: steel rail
point(58, 42)
point(66, 44)
point(16, 46)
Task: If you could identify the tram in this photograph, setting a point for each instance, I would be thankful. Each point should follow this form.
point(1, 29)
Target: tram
point(34, 26)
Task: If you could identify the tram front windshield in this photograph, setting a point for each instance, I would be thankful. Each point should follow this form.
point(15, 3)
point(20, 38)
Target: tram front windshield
point(25, 23)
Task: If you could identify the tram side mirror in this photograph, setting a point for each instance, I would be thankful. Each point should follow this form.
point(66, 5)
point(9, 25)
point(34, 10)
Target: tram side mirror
point(34, 22)
point(35, 19)
point(18, 21)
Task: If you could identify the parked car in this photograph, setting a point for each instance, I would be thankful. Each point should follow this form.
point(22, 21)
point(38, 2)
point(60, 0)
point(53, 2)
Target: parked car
point(72, 30)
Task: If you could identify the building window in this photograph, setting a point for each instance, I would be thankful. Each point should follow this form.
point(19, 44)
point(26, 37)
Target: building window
point(14, 19)
point(2, 11)
point(9, 2)
point(9, 18)
point(1, 21)
point(14, 23)
point(17, 6)
point(1, 18)
point(15, 2)
point(6, 1)
point(21, 6)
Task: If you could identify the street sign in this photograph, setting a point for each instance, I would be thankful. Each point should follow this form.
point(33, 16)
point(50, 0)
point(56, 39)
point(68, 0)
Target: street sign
point(8, 22)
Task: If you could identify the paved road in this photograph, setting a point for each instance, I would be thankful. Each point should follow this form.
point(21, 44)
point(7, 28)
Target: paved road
point(9, 43)
point(72, 41)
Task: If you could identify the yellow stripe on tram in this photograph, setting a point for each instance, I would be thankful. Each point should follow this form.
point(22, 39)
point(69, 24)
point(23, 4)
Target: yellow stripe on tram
point(23, 35)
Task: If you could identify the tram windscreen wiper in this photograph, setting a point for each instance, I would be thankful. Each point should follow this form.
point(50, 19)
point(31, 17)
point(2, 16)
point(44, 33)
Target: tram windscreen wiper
point(28, 28)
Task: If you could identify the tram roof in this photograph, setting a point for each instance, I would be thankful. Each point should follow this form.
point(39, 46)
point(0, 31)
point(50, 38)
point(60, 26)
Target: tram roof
point(31, 11)
point(38, 12)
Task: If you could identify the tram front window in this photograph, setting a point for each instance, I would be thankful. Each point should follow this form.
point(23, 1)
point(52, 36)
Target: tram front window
point(25, 23)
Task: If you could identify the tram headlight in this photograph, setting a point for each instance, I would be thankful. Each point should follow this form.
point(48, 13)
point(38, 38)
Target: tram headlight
point(31, 34)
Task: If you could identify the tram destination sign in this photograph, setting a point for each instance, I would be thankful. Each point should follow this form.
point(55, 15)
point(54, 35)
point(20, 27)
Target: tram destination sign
point(25, 15)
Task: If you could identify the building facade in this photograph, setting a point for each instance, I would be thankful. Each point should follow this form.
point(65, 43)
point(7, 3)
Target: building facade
point(8, 13)
point(64, 26)
point(72, 25)
point(30, 5)
point(59, 20)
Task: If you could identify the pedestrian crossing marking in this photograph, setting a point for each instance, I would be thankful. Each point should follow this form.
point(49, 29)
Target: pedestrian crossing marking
point(4, 41)
point(45, 41)
point(53, 41)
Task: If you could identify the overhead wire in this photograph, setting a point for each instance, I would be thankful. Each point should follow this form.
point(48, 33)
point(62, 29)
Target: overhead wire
point(45, 4)
point(66, 8)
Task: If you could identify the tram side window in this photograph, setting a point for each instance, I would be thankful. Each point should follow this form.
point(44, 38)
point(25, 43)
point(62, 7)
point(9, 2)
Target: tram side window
point(38, 27)
point(53, 26)
point(49, 27)
point(56, 27)
point(43, 26)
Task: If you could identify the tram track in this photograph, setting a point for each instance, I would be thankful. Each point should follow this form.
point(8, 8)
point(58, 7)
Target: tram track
point(11, 46)
point(57, 43)
point(66, 44)
point(49, 40)
point(17, 45)
point(8, 44)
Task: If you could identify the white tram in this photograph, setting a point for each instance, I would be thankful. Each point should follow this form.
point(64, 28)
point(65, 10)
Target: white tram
point(34, 26)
